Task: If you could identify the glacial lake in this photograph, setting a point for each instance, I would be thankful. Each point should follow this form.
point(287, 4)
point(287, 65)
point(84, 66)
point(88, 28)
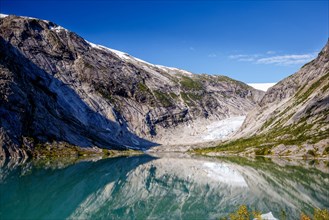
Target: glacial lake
point(163, 186)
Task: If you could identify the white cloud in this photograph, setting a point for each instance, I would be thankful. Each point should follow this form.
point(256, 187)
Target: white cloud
point(270, 52)
point(212, 55)
point(192, 48)
point(247, 59)
point(290, 59)
point(237, 56)
point(244, 57)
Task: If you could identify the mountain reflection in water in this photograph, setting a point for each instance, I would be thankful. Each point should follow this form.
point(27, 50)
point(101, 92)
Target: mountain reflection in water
point(166, 186)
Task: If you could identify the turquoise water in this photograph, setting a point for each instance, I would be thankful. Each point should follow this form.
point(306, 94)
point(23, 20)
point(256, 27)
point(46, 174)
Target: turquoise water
point(168, 186)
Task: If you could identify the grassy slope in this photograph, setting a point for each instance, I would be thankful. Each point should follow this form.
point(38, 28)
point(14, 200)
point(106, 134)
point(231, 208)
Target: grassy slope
point(298, 133)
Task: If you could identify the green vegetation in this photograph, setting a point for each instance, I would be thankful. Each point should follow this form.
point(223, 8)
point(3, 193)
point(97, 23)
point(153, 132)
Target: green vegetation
point(173, 95)
point(326, 151)
point(243, 213)
point(226, 79)
point(238, 145)
point(143, 94)
point(306, 64)
point(311, 152)
point(119, 153)
point(142, 87)
point(325, 88)
point(55, 160)
point(268, 122)
point(263, 151)
point(59, 149)
point(157, 96)
point(282, 120)
point(56, 150)
point(195, 97)
point(88, 65)
point(143, 90)
point(188, 83)
point(186, 98)
point(301, 95)
point(319, 214)
point(295, 134)
point(190, 98)
point(163, 98)
point(221, 79)
point(106, 95)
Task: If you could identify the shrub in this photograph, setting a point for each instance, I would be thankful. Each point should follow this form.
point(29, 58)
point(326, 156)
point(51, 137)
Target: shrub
point(163, 98)
point(321, 214)
point(326, 150)
point(263, 151)
point(311, 152)
point(241, 214)
point(304, 217)
point(189, 84)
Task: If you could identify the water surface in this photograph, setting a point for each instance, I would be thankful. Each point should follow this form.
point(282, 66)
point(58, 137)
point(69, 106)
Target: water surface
point(166, 186)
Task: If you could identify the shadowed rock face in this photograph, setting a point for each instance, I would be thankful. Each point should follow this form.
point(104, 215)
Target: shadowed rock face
point(55, 86)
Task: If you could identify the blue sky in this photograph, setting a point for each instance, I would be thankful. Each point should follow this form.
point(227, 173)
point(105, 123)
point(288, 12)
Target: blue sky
point(252, 41)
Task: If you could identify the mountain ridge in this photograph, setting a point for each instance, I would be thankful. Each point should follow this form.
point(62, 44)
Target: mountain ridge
point(55, 86)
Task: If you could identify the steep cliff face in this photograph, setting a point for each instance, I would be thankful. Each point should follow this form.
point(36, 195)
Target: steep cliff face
point(293, 115)
point(55, 86)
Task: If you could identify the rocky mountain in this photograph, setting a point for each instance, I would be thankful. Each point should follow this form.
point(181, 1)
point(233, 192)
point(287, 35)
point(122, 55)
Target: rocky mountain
point(56, 86)
point(292, 117)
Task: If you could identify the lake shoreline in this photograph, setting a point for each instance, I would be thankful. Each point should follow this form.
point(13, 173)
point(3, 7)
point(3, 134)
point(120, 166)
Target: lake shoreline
point(155, 185)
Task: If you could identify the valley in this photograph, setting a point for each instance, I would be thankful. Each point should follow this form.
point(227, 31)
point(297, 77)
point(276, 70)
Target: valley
point(92, 132)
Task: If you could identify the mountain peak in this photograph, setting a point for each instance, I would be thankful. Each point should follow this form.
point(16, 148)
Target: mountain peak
point(90, 95)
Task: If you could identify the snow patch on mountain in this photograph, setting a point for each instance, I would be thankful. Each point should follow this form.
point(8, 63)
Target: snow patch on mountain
point(221, 129)
point(261, 86)
point(120, 54)
point(127, 57)
point(5, 15)
point(58, 28)
point(173, 70)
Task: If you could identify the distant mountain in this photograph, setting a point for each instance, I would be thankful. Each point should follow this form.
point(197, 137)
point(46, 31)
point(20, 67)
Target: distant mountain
point(293, 116)
point(56, 86)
